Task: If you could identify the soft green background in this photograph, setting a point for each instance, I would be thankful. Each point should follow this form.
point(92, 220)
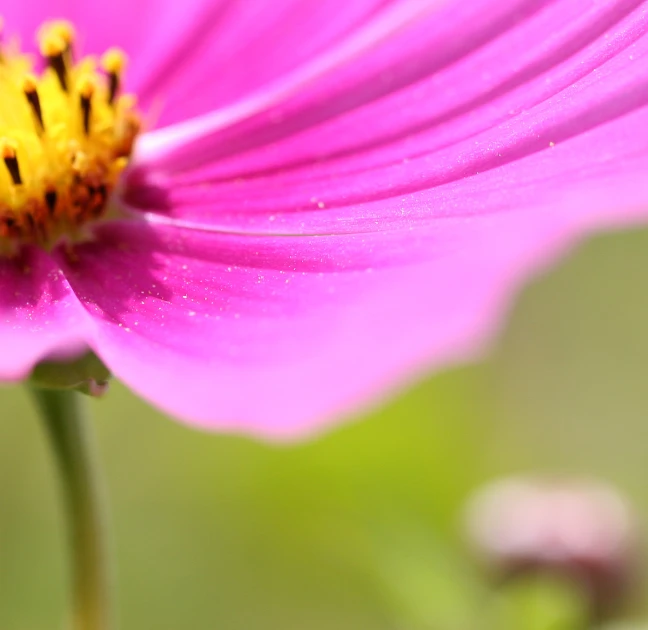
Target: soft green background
point(361, 528)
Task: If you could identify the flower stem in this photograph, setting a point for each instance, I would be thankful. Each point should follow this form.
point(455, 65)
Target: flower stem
point(65, 416)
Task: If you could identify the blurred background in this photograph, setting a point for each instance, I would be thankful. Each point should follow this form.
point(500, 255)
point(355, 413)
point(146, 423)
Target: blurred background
point(361, 528)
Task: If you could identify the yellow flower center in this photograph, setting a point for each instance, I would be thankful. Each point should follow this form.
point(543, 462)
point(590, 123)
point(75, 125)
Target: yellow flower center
point(65, 137)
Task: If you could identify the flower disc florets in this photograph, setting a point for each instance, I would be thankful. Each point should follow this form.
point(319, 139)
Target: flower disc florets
point(65, 137)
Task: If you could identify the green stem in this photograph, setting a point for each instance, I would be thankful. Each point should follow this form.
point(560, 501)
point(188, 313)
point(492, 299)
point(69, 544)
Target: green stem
point(70, 430)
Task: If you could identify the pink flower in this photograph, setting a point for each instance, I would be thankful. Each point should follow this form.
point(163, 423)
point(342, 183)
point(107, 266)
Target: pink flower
point(337, 196)
point(582, 530)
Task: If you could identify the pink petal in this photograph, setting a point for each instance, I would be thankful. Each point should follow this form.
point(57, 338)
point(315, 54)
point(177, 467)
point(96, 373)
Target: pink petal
point(440, 169)
point(613, 153)
point(278, 335)
point(213, 53)
point(39, 315)
point(192, 56)
point(392, 19)
point(547, 79)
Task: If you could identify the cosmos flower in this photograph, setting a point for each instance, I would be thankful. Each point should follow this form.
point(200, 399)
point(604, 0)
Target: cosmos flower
point(310, 203)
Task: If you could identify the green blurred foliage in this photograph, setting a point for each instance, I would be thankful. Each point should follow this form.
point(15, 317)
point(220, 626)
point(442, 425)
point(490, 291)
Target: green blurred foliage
point(362, 527)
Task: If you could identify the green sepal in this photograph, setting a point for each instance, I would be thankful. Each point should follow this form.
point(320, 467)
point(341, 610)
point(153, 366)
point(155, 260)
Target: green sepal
point(86, 374)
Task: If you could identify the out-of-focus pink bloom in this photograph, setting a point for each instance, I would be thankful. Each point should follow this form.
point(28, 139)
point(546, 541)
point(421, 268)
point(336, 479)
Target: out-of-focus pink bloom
point(337, 195)
point(583, 530)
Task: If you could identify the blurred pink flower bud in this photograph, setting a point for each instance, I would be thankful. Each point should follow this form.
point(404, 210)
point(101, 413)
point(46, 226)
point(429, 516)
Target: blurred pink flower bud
point(581, 529)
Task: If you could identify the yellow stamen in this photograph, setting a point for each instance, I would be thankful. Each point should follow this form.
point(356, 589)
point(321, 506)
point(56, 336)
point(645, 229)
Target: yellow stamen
point(30, 83)
point(86, 85)
point(86, 88)
point(9, 150)
point(30, 88)
point(64, 29)
point(53, 48)
point(113, 62)
point(52, 44)
point(65, 138)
